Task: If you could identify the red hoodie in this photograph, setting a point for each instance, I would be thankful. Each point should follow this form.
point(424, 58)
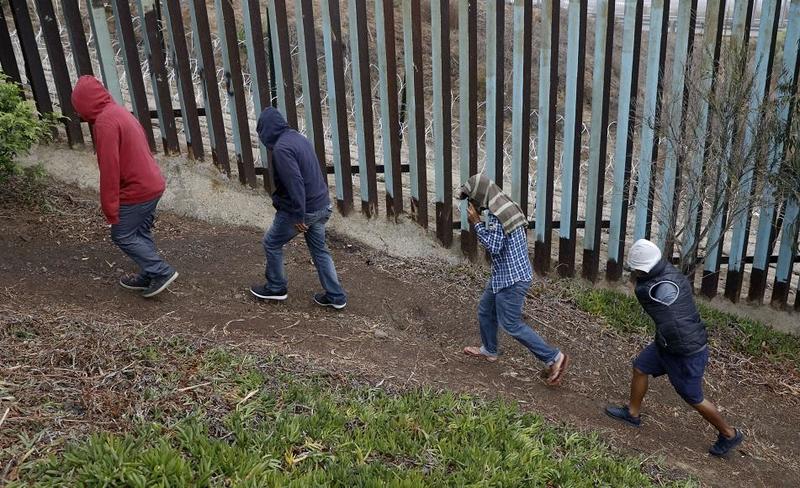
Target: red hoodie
point(128, 172)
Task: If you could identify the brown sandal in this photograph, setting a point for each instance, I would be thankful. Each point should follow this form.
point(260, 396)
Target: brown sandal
point(477, 353)
point(557, 372)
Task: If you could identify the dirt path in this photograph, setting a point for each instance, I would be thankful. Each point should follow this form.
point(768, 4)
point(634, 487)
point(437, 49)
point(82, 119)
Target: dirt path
point(405, 325)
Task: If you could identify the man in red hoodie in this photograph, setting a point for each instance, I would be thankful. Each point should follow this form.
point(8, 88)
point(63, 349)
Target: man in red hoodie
point(130, 184)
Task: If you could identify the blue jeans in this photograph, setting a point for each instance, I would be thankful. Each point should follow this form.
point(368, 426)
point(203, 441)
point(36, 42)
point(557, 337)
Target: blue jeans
point(281, 232)
point(133, 236)
point(505, 308)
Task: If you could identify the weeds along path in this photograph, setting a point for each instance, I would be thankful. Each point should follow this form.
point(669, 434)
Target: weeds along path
point(405, 325)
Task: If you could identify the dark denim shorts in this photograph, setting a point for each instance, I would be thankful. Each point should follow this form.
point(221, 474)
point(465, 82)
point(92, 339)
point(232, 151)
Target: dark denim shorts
point(684, 372)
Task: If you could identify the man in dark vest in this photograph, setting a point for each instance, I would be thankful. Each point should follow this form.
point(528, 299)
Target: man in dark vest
point(680, 349)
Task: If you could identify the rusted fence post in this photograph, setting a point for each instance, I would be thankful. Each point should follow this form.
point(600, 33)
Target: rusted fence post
point(546, 152)
point(415, 103)
point(573, 128)
point(442, 124)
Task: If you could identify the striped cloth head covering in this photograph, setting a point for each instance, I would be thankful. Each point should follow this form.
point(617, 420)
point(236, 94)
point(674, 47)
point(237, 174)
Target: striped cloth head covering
point(488, 195)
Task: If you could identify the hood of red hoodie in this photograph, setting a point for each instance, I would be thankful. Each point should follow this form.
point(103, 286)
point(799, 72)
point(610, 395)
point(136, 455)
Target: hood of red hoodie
point(90, 98)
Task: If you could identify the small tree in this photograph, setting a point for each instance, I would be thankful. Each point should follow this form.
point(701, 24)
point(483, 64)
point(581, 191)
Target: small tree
point(21, 126)
point(722, 143)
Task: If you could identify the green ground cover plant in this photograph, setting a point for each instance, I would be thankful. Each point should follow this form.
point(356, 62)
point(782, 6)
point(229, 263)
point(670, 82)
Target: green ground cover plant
point(622, 312)
point(251, 420)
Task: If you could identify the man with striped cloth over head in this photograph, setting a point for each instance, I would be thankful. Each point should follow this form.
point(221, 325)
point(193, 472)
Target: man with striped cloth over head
point(500, 226)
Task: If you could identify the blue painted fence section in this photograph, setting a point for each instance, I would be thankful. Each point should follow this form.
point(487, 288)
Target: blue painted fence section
point(765, 49)
point(638, 133)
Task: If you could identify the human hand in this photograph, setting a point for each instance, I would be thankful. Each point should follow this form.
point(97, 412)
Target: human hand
point(301, 227)
point(473, 217)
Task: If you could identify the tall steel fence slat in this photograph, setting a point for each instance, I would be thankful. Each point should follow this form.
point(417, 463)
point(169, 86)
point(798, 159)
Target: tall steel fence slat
point(442, 123)
point(709, 59)
point(59, 70)
point(548, 100)
point(390, 119)
point(103, 49)
point(309, 74)
point(573, 127)
point(257, 64)
point(234, 87)
point(284, 77)
point(133, 68)
point(181, 64)
point(598, 140)
point(786, 87)
point(206, 67)
point(467, 108)
point(334, 67)
point(495, 83)
point(623, 150)
point(77, 37)
point(791, 218)
point(656, 50)
point(34, 71)
point(787, 250)
point(415, 103)
point(765, 51)
point(362, 101)
point(158, 75)
point(684, 39)
point(739, 40)
point(521, 102)
point(8, 60)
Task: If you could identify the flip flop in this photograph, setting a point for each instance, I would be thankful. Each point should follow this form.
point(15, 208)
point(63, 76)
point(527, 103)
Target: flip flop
point(477, 353)
point(555, 380)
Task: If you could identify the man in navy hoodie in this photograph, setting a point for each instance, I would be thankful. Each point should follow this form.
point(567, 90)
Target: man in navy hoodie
point(303, 207)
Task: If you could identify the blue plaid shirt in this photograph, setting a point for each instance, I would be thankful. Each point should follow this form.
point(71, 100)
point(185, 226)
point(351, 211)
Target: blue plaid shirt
point(510, 262)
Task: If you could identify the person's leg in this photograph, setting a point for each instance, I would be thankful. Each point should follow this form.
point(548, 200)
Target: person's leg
point(487, 325)
point(639, 384)
point(509, 315)
point(161, 268)
point(713, 417)
point(280, 232)
point(487, 321)
point(321, 255)
point(647, 363)
point(686, 375)
point(128, 236)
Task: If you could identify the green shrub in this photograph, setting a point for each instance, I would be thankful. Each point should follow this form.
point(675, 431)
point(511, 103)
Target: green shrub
point(21, 126)
point(623, 313)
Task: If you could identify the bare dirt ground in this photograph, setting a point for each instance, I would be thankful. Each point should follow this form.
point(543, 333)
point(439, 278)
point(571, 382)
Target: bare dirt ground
point(405, 325)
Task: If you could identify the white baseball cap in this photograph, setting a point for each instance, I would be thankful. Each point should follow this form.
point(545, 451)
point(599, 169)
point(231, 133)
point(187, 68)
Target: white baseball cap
point(643, 256)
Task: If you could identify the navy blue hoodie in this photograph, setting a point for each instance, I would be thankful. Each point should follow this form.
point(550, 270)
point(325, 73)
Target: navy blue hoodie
point(300, 187)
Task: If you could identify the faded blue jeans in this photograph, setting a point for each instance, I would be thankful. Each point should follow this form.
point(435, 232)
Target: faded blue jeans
point(504, 308)
point(134, 237)
point(281, 232)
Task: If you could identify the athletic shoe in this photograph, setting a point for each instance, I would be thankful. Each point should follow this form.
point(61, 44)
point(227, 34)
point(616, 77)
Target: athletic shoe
point(261, 291)
point(623, 414)
point(724, 445)
point(324, 300)
point(157, 285)
point(134, 282)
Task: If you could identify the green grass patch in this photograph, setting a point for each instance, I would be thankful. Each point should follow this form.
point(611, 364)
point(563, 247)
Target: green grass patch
point(623, 313)
point(288, 428)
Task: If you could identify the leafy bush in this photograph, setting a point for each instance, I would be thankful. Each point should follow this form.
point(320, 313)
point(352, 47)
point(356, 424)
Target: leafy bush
point(21, 126)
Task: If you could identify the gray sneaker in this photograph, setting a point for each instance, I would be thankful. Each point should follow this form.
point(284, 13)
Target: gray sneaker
point(134, 282)
point(324, 300)
point(157, 285)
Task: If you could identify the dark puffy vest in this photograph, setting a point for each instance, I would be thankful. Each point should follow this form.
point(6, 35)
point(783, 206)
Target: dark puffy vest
point(679, 329)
